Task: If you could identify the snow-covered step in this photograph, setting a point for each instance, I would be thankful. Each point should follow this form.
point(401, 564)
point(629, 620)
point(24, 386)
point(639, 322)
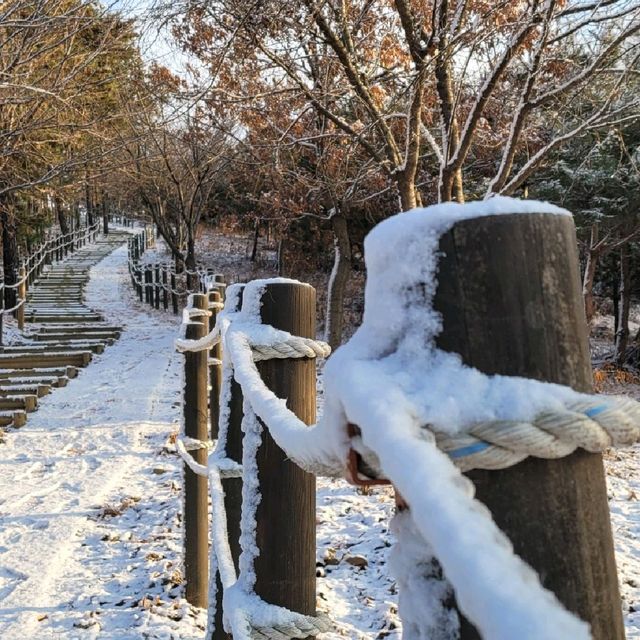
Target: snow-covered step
point(13, 418)
point(38, 390)
point(26, 403)
point(107, 336)
point(53, 328)
point(80, 345)
point(59, 317)
point(67, 371)
point(7, 384)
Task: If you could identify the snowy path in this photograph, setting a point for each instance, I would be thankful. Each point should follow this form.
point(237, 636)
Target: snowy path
point(88, 457)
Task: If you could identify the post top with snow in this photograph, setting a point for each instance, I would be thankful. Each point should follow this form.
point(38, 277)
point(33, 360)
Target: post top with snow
point(390, 237)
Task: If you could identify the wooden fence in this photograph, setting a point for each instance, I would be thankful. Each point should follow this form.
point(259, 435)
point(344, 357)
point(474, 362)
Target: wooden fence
point(286, 514)
point(563, 531)
point(157, 283)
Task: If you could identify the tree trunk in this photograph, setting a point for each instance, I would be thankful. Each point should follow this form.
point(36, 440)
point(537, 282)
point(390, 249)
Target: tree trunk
point(337, 281)
point(593, 255)
point(190, 262)
point(622, 327)
point(62, 218)
point(407, 192)
point(88, 203)
point(10, 257)
point(615, 295)
point(256, 236)
point(281, 256)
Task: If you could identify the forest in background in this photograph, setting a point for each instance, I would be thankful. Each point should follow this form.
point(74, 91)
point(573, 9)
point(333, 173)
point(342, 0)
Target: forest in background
point(308, 121)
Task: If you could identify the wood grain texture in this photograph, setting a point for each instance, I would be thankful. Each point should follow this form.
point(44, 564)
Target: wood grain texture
point(196, 496)
point(509, 293)
point(286, 531)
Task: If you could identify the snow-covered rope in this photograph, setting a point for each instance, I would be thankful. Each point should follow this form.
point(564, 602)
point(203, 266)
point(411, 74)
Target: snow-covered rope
point(595, 423)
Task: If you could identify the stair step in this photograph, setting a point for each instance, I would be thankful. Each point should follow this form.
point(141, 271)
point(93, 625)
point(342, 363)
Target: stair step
point(108, 336)
point(42, 372)
point(13, 418)
point(26, 403)
point(41, 360)
point(22, 389)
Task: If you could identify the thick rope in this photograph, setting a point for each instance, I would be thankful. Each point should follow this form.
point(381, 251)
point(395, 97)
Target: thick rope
point(594, 425)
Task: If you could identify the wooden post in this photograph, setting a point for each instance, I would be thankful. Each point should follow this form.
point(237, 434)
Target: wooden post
point(215, 367)
point(196, 530)
point(232, 486)
point(1, 310)
point(285, 568)
point(219, 280)
point(148, 291)
point(138, 269)
point(174, 295)
point(510, 298)
point(22, 295)
point(165, 293)
point(105, 224)
point(156, 280)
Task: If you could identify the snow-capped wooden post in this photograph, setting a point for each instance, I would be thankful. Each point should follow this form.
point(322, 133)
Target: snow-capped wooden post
point(196, 530)
point(285, 568)
point(510, 298)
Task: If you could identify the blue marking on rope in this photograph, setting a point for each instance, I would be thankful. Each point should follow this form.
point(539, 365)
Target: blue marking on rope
point(594, 411)
point(467, 451)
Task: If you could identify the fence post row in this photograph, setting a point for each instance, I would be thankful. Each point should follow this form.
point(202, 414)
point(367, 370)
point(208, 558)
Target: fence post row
point(196, 498)
point(287, 492)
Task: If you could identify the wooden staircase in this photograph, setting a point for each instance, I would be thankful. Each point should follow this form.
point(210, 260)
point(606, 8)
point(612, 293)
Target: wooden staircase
point(64, 334)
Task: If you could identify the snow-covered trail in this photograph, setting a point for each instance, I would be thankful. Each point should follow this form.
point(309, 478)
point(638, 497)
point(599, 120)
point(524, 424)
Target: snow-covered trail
point(87, 458)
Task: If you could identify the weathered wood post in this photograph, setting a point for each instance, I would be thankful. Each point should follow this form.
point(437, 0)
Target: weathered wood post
point(215, 379)
point(215, 366)
point(1, 310)
point(196, 530)
point(22, 295)
point(232, 486)
point(139, 286)
point(156, 280)
point(510, 298)
point(218, 278)
point(165, 293)
point(148, 292)
point(285, 570)
point(174, 295)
